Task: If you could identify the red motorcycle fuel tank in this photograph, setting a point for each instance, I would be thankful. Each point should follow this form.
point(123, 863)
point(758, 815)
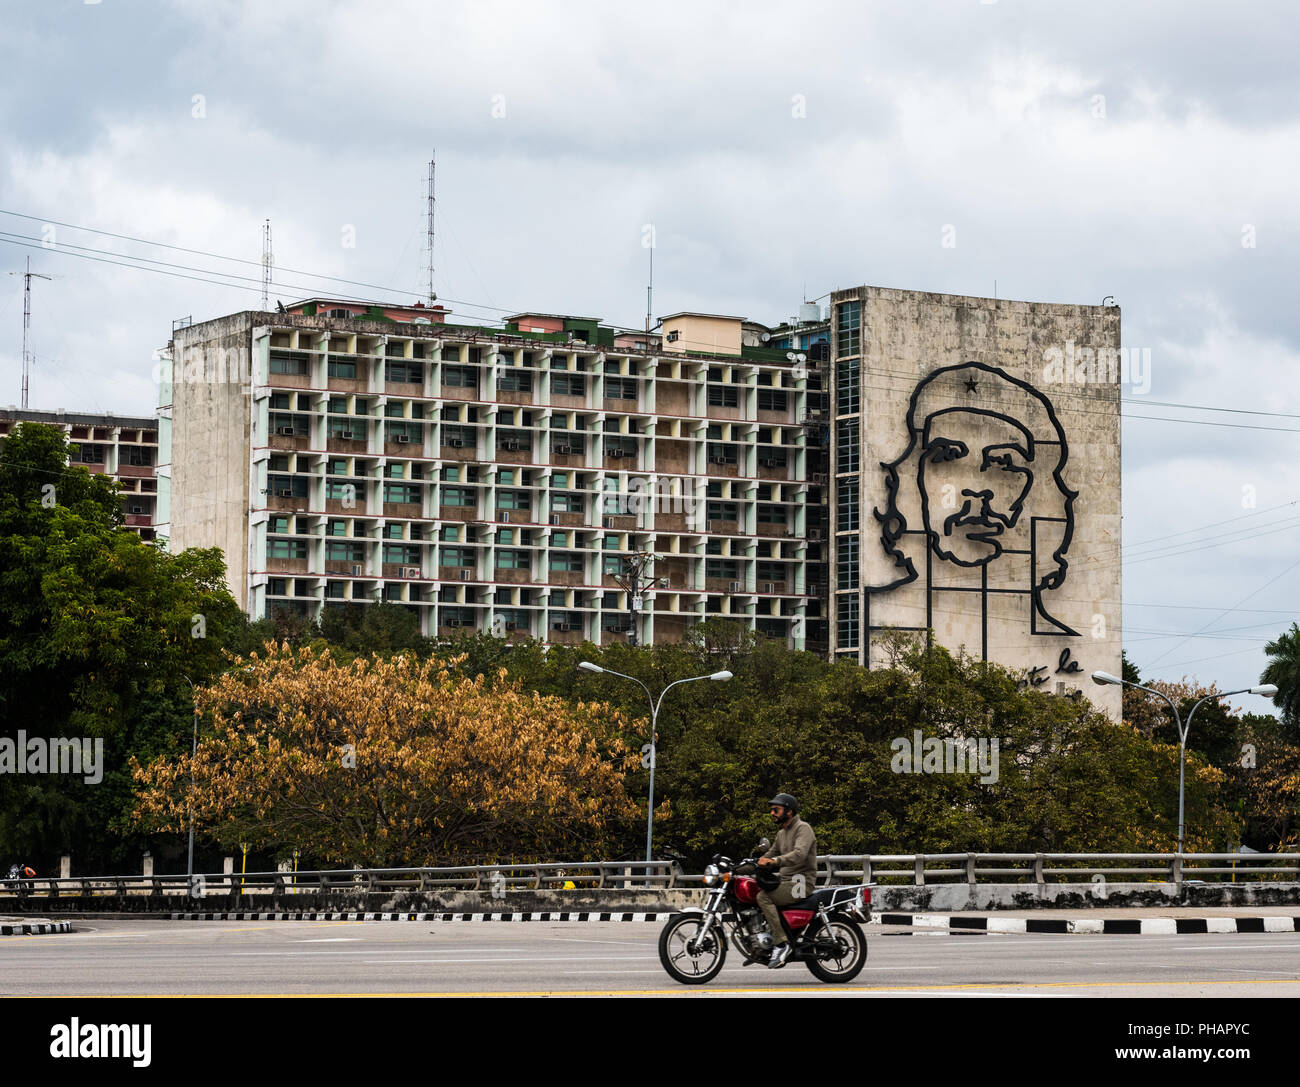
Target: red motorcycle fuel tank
point(746, 890)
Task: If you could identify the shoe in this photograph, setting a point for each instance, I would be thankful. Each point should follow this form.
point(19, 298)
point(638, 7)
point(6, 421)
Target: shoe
point(779, 956)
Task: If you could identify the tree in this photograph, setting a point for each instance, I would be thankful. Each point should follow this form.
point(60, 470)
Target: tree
point(97, 631)
point(391, 762)
point(1284, 670)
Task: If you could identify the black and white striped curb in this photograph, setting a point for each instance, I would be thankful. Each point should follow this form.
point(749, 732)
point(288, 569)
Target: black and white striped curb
point(310, 916)
point(34, 928)
point(1120, 926)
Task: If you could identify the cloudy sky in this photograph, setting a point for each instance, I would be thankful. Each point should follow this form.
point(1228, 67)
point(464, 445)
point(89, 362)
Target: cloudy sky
point(1071, 150)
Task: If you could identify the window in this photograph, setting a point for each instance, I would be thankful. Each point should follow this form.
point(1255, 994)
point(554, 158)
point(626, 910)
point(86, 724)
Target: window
point(722, 454)
point(451, 474)
point(457, 556)
point(344, 366)
point(358, 429)
point(402, 555)
point(336, 467)
point(848, 328)
point(458, 496)
point(512, 560)
point(460, 377)
point(277, 586)
point(280, 401)
point(772, 400)
point(846, 614)
point(846, 445)
point(514, 500)
point(402, 492)
point(846, 562)
point(569, 444)
point(278, 463)
point(278, 525)
point(286, 549)
point(411, 372)
point(724, 396)
point(721, 511)
point(344, 552)
point(559, 539)
point(771, 515)
point(336, 528)
point(393, 531)
point(847, 375)
point(727, 569)
point(287, 486)
point(344, 490)
point(846, 504)
point(288, 362)
point(450, 534)
point(283, 425)
point(335, 590)
point(612, 565)
point(566, 502)
point(620, 388)
point(568, 385)
point(569, 562)
point(515, 379)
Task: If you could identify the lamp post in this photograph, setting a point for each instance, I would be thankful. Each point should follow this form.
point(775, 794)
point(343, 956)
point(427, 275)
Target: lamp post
point(1104, 678)
point(588, 666)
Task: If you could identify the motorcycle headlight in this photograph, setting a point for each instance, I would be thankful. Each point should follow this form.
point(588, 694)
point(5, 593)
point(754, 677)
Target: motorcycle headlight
point(711, 873)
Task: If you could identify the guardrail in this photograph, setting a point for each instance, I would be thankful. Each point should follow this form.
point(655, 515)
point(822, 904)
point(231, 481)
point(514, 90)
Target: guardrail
point(905, 869)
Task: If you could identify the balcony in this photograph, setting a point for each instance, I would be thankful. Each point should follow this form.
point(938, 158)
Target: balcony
point(464, 452)
point(457, 513)
point(139, 471)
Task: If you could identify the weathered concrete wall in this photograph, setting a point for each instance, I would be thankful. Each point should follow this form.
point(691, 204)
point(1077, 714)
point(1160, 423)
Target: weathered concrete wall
point(210, 442)
point(1000, 481)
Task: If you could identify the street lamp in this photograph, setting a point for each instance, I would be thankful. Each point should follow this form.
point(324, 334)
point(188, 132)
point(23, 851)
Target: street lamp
point(1104, 678)
point(588, 666)
point(194, 754)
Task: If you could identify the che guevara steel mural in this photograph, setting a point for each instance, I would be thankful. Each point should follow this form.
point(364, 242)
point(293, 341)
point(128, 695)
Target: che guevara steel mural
point(984, 464)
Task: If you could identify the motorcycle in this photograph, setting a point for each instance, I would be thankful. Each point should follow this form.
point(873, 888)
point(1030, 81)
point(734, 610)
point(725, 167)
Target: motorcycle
point(824, 930)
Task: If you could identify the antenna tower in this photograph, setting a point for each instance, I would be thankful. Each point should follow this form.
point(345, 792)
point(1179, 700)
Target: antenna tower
point(432, 297)
point(28, 276)
point(268, 262)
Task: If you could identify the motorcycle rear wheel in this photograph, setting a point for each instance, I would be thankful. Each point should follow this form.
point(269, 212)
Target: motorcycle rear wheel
point(685, 963)
point(848, 935)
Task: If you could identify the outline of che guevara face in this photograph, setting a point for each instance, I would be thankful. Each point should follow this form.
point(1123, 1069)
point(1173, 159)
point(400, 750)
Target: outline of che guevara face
point(985, 459)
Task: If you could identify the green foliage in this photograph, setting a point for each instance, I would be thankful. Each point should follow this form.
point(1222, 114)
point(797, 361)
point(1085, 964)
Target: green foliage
point(1284, 670)
point(98, 631)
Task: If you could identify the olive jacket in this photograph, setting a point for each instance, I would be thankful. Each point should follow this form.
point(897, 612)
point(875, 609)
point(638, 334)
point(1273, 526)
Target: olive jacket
point(795, 851)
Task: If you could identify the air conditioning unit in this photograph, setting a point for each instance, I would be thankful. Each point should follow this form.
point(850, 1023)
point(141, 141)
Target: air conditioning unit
point(410, 571)
point(735, 587)
point(717, 460)
point(510, 446)
point(770, 462)
point(287, 431)
point(136, 509)
point(402, 438)
point(617, 453)
point(465, 575)
point(512, 626)
point(357, 570)
point(284, 494)
point(664, 583)
point(346, 436)
point(456, 443)
point(815, 534)
point(564, 450)
point(819, 478)
point(769, 586)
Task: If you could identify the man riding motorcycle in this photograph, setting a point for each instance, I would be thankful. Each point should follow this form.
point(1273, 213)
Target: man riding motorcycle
point(794, 854)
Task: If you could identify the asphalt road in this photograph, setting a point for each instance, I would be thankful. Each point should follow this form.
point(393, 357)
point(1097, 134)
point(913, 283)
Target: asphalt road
point(339, 958)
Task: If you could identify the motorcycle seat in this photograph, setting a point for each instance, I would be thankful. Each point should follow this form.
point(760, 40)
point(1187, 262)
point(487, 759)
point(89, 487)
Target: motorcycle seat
point(827, 896)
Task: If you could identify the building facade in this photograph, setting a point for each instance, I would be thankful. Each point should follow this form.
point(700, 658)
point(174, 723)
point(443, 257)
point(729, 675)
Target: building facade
point(976, 461)
point(501, 480)
point(123, 447)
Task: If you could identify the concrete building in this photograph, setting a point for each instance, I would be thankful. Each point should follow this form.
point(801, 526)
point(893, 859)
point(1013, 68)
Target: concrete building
point(976, 458)
point(903, 461)
point(499, 479)
point(123, 447)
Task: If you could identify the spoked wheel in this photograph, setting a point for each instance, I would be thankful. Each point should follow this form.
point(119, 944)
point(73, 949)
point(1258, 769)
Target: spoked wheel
point(685, 956)
point(849, 954)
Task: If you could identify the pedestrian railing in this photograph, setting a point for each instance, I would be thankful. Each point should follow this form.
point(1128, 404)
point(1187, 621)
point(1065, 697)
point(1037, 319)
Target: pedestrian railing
point(902, 869)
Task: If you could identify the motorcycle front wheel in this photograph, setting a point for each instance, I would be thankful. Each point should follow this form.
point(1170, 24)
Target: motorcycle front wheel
point(686, 958)
point(850, 954)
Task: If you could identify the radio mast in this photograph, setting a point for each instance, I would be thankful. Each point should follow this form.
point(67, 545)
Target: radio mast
point(28, 276)
point(432, 297)
point(268, 262)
